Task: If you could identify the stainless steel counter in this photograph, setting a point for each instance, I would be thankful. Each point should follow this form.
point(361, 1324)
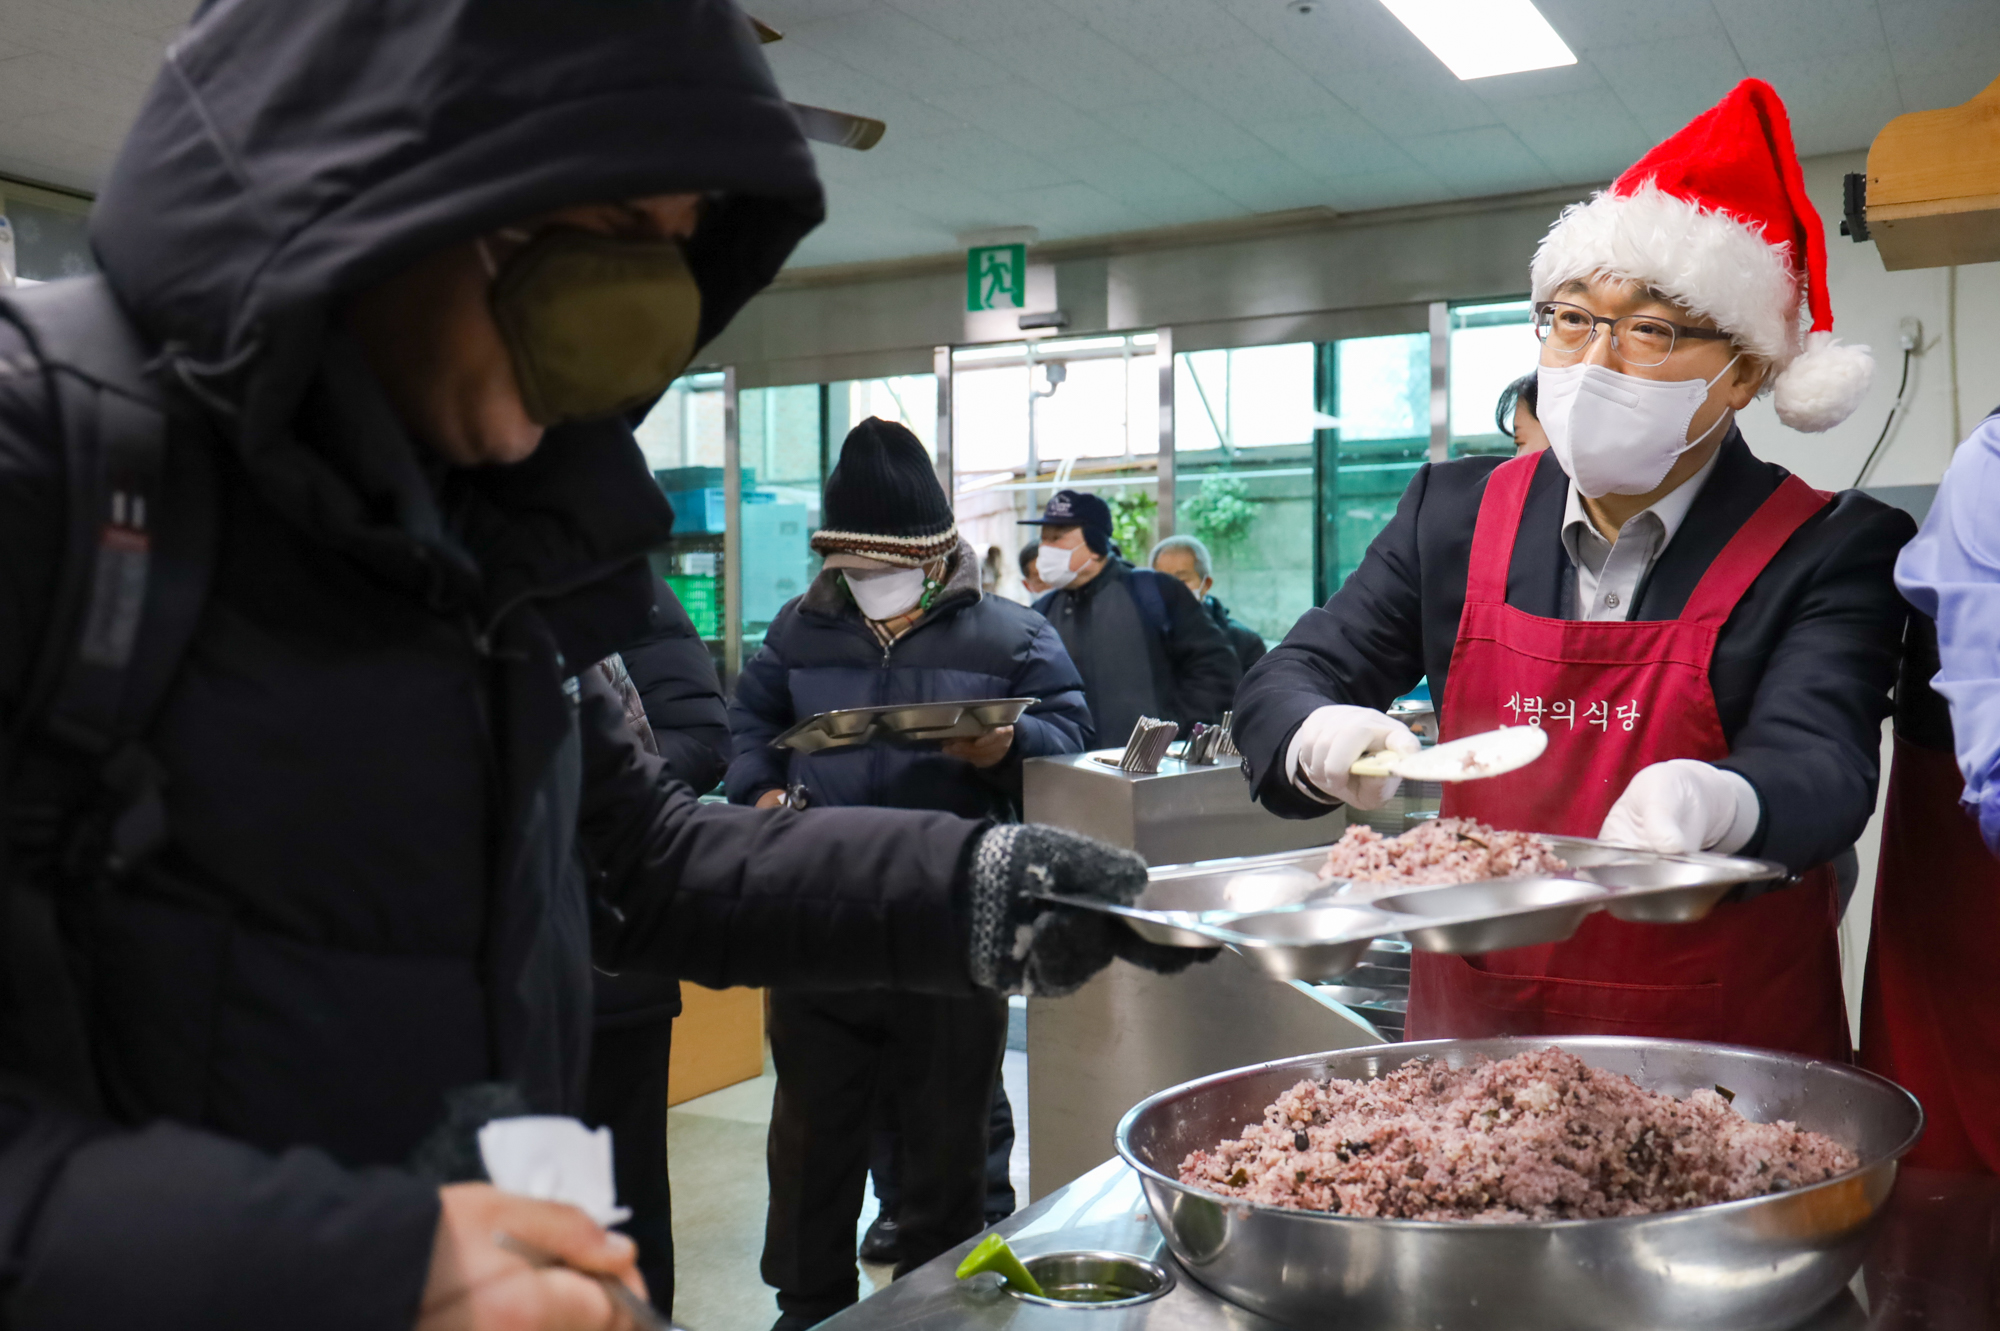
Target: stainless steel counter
point(1934, 1266)
point(1129, 1033)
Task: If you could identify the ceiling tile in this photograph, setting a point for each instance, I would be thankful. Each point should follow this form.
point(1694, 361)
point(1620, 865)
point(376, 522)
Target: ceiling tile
point(1581, 137)
point(890, 47)
point(1161, 27)
point(1586, 24)
point(1027, 116)
point(1384, 189)
point(1667, 83)
point(1253, 180)
point(1767, 32)
point(1251, 84)
point(1480, 161)
point(1075, 210)
point(1836, 103)
point(1183, 130)
point(1080, 66)
point(1339, 35)
point(975, 22)
point(1412, 100)
point(807, 75)
point(982, 161)
point(1334, 145)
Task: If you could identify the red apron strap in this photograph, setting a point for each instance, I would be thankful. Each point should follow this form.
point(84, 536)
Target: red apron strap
point(1743, 560)
point(1493, 534)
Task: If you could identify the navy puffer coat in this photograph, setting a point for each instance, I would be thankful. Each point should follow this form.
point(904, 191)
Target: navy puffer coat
point(820, 655)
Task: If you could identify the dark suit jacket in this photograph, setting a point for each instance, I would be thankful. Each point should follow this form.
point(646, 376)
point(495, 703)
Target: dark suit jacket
point(1802, 670)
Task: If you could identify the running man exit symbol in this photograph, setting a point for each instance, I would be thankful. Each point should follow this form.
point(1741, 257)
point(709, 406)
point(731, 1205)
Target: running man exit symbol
point(996, 277)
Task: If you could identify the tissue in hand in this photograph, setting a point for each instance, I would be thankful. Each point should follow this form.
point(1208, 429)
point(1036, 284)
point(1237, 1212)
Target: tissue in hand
point(553, 1158)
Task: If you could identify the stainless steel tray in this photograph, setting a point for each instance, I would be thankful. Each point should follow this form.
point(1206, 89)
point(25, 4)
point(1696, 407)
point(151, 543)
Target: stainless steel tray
point(909, 723)
point(1281, 916)
point(1750, 1265)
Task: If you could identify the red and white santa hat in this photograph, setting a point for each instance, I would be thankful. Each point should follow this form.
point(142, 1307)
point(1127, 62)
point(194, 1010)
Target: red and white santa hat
point(1716, 219)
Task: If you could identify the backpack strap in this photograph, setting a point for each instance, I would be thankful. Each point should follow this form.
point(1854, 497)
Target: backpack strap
point(138, 554)
point(82, 797)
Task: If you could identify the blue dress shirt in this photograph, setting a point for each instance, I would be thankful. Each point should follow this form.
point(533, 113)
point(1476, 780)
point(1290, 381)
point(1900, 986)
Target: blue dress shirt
point(1951, 572)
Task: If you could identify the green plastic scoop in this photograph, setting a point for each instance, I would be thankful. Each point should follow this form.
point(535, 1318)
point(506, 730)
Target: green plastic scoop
point(993, 1254)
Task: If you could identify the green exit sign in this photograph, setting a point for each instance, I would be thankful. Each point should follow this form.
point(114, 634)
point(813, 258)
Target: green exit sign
point(996, 277)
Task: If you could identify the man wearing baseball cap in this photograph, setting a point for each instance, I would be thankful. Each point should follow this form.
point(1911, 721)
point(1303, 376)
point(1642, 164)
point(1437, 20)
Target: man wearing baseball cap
point(1143, 644)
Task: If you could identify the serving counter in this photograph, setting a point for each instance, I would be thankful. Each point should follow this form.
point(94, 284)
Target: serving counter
point(1128, 1033)
point(1934, 1266)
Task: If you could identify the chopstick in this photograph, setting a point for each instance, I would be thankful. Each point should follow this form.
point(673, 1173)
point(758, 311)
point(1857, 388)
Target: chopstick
point(643, 1314)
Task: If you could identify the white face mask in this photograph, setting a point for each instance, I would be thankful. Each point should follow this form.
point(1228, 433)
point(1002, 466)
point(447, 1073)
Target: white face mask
point(1052, 566)
point(887, 593)
point(1615, 433)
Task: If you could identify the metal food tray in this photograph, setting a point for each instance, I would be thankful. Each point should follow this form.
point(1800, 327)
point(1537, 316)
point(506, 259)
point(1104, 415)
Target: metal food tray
point(1282, 917)
point(909, 723)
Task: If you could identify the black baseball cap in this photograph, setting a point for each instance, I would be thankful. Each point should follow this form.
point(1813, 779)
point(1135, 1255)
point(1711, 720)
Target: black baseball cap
point(1078, 508)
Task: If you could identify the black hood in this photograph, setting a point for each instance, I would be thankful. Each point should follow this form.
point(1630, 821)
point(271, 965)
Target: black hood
point(290, 153)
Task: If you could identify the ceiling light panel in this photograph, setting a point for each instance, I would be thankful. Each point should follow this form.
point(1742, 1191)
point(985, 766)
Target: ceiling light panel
point(1478, 39)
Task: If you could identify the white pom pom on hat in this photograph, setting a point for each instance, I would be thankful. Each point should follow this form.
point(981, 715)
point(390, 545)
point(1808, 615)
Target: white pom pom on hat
point(1716, 219)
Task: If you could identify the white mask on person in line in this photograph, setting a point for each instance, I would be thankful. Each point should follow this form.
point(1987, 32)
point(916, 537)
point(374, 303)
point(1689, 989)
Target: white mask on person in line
point(1616, 433)
point(1052, 566)
point(886, 593)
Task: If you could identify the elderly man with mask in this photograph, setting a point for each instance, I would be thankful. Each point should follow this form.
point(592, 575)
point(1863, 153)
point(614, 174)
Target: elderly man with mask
point(896, 616)
point(381, 283)
point(1708, 642)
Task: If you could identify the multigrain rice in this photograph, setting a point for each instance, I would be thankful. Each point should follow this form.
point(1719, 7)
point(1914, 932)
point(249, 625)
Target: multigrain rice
point(1539, 1136)
point(1445, 850)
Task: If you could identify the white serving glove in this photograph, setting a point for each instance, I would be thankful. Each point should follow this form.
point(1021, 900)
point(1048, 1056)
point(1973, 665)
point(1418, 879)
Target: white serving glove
point(1684, 804)
point(1329, 740)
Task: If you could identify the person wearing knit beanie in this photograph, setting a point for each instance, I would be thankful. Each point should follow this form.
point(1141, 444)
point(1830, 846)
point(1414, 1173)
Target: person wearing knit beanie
point(896, 616)
point(1707, 642)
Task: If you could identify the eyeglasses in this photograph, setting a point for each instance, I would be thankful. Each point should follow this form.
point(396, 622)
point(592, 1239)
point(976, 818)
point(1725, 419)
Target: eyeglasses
point(1639, 339)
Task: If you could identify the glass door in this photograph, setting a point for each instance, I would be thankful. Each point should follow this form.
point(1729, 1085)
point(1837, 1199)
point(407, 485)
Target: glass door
point(1031, 418)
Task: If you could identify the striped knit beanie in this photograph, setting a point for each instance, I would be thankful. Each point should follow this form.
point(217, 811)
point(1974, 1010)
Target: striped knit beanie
point(883, 500)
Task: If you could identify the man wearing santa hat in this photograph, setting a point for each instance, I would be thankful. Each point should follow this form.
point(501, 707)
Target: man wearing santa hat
point(1708, 642)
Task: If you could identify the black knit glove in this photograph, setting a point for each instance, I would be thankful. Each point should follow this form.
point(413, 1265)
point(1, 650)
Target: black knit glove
point(1024, 945)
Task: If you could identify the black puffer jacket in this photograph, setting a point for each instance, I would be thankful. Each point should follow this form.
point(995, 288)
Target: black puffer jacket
point(380, 797)
point(820, 656)
point(676, 679)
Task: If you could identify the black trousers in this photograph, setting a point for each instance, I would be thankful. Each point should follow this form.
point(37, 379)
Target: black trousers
point(937, 1060)
point(627, 1092)
point(885, 1151)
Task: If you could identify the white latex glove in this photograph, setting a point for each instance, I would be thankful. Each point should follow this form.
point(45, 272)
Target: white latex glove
point(1329, 740)
point(1684, 804)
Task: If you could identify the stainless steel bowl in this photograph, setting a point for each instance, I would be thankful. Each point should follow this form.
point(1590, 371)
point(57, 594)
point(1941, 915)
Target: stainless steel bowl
point(1083, 1280)
point(1495, 914)
point(1753, 1265)
point(1673, 892)
point(1309, 943)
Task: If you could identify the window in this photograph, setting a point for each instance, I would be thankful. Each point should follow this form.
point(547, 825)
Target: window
point(1244, 429)
point(1491, 346)
point(1029, 419)
point(1380, 391)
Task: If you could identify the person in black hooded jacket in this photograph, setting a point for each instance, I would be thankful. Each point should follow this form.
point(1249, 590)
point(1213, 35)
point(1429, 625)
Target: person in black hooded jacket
point(402, 816)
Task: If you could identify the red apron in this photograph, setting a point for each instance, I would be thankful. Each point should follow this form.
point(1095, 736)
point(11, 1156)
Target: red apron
point(1929, 1018)
point(1616, 697)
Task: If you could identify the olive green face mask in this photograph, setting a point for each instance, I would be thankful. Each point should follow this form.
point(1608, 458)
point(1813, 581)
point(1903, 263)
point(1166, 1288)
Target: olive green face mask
point(594, 324)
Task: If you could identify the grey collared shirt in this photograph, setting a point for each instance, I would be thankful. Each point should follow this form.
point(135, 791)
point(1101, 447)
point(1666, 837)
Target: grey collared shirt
point(1608, 573)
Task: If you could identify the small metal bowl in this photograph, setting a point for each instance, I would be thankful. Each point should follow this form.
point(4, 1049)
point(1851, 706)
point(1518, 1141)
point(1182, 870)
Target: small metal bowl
point(1508, 912)
point(1311, 943)
point(1660, 891)
point(1086, 1280)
